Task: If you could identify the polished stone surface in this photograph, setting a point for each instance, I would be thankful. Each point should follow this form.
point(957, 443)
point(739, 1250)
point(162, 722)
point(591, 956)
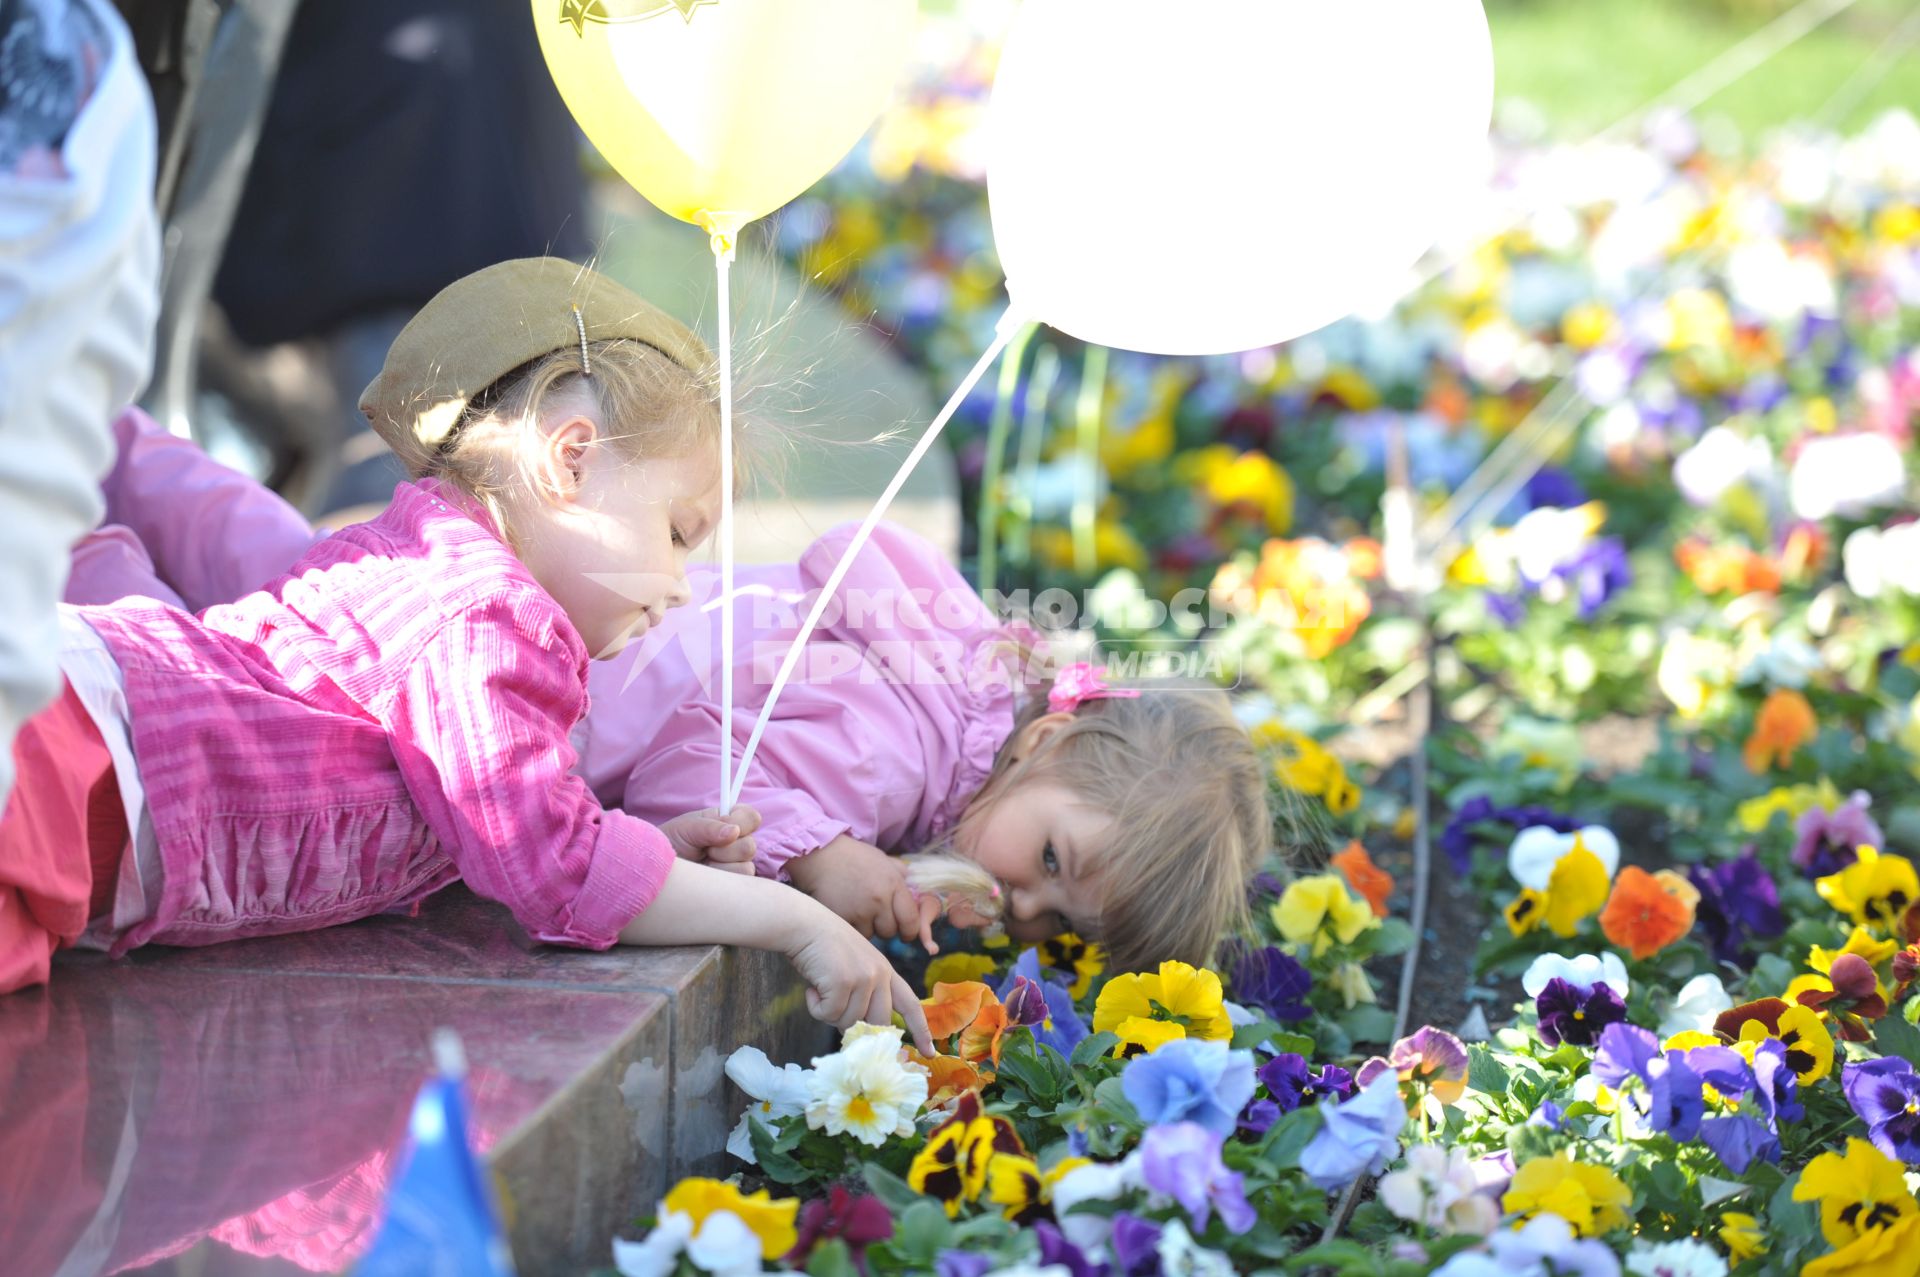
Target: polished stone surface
point(237, 1109)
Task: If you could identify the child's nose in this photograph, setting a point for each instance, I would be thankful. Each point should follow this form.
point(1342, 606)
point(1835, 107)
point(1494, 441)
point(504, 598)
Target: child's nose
point(679, 594)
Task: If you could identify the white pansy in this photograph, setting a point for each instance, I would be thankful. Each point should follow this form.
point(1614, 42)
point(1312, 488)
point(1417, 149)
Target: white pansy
point(777, 1092)
point(725, 1246)
point(1583, 970)
point(1847, 475)
point(1697, 1005)
point(865, 1089)
point(1684, 1258)
point(1537, 849)
point(1783, 661)
point(1882, 560)
point(1181, 1256)
point(659, 1254)
point(1097, 1182)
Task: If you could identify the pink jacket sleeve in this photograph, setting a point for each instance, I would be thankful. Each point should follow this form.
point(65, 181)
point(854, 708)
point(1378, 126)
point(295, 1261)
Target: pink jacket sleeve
point(479, 730)
point(889, 726)
point(213, 533)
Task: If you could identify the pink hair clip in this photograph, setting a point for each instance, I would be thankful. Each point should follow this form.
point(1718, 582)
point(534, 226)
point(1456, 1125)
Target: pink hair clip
point(1080, 682)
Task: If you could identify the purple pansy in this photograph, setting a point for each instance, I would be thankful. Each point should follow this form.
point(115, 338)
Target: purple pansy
point(1738, 903)
point(1056, 1250)
point(1459, 838)
point(1182, 1161)
point(1885, 1093)
point(960, 1263)
point(1061, 1026)
point(1825, 841)
point(1357, 1136)
point(1286, 1077)
point(1569, 1013)
point(1136, 1246)
point(1272, 980)
point(1739, 1141)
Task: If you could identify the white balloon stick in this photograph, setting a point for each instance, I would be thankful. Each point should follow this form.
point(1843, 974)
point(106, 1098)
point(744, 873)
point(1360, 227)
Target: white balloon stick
point(722, 260)
point(1004, 331)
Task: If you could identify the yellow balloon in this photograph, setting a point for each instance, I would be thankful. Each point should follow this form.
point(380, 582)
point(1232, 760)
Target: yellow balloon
point(720, 111)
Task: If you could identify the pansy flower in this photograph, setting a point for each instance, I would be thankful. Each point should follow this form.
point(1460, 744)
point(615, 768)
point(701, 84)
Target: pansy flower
point(1369, 881)
point(1739, 903)
point(1151, 1009)
point(1270, 979)
point(1576, 888)
point(857, 1221)
point(1572, 1014)
point(1860, 1191)
point(1784, 723)
point(1827, 837)
point(1319, 909)
point(1875, 890)
point(1647, 912)
point(953, 1167)
point(1885, 1094)
point(1080, 961)
point(1809, 1046)
point(1849, 993)
point(1059, 1024)
point(1590, 1198)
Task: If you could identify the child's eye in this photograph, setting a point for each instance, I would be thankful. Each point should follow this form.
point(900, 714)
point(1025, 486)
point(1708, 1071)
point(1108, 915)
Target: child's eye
point(1049, 860)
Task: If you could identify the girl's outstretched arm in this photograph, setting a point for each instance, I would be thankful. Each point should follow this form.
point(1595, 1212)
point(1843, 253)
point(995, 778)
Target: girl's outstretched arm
point(849, 980)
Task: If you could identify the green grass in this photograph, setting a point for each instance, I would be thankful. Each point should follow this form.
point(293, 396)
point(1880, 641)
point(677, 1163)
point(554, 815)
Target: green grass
point(1587, 63)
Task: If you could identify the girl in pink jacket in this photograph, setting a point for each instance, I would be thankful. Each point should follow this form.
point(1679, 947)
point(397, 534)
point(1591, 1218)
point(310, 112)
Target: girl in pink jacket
point(917, 720)
point(395, 710)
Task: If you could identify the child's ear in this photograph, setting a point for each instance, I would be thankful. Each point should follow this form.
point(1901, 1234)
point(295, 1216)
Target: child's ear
point(1036, 734)
point(565, 462)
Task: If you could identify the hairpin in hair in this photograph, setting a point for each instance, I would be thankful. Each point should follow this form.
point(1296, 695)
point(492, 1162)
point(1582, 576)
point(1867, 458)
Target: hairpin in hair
point(1082, 682)
point(579, 322)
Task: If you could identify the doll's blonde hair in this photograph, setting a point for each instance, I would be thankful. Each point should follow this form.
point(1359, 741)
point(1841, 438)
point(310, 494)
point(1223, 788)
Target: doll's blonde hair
point(1187, 794)
point(649, 405)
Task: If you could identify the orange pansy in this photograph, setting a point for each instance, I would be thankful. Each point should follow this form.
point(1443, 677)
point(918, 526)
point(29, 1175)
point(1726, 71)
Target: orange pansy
point(949, 1077)
point(1645, 914)
point(981, 1039)
point(952, 1007)
point(1368, 880)
point(1785, 723)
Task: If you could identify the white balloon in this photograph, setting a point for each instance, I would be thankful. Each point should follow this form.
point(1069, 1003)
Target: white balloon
point(1190, 177)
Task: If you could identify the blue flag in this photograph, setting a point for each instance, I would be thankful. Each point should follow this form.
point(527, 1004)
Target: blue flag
point(440, 1216)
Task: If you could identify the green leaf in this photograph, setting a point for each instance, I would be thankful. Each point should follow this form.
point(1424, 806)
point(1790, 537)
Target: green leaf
point(1894, 1036)
point(1298, 1043)
point(831, 1259)
point(893, 1192)
point(1090, 1050)
point(1290, 1137)
point(1367, 1023)
point(1485, 1073)
point(922, 1232)
point(1248, 1036)
point(1394, 936)
point(771, 1153)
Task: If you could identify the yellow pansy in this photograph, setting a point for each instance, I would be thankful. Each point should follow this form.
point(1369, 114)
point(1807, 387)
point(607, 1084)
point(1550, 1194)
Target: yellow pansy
point(1142, 1036)
point(1576, 891)
point(1860, 942)
point(1860, 1191)
point(1743, 1237)
point(1586, 325)
point(1809, 1045)
point(1526, 911)
point(1185, 998)
point(1321, 909)
point(1081, 959)
point(958, 968)
point(1893, 1251)
point(770, 1221)
point(1590, 1198)
point(1351, 983)
point(1874, 889)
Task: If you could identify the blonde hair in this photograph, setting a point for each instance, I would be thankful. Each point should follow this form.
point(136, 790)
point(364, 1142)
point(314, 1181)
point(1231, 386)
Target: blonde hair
point(651, 407)
point(1187, 793)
